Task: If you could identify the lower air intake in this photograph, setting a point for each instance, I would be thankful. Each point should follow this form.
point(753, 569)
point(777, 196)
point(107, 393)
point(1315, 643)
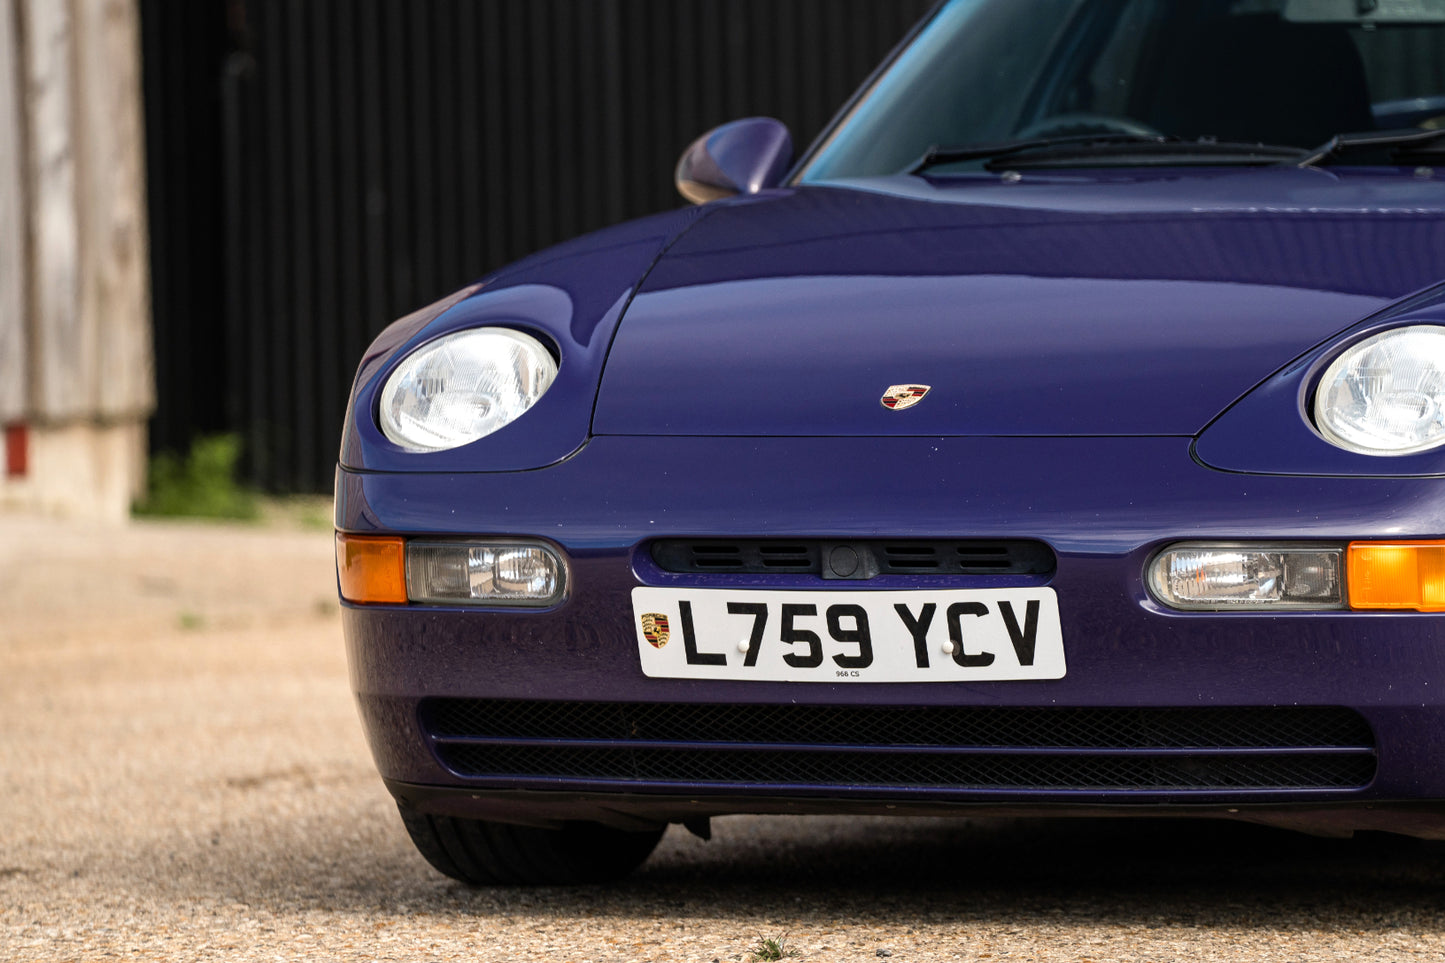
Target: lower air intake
point(850, 749)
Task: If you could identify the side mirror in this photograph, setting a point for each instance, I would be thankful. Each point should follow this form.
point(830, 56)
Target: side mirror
point(743, 157)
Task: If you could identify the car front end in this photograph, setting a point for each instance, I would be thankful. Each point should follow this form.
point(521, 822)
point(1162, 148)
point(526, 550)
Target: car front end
point(1092, 486)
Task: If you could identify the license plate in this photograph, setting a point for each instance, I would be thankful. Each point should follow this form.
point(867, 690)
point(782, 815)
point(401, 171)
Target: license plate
point(972, 635)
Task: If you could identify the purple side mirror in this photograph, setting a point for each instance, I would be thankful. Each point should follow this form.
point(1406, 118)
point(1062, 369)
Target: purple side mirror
point(742, 157)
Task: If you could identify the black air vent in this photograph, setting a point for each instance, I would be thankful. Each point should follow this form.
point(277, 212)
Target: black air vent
point(853, 560)
point(921, 770)
point(736, 556)
point(851, 749)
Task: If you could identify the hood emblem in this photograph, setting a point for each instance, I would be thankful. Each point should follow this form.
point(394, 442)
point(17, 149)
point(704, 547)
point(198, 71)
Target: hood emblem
point(898, 397)
point(654, 629)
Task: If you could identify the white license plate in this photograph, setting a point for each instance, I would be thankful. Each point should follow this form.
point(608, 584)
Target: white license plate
point(972, 635)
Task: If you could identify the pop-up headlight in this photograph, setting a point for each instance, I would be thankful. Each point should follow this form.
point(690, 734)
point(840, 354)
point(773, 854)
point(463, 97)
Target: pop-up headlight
point(462, 387)
point(1386, 395)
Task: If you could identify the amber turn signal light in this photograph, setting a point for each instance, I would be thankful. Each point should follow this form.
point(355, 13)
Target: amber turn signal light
point(1397, 575)
point(371, 570)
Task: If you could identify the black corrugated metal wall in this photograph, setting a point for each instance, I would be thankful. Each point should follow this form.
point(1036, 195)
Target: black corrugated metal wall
point(318, 168)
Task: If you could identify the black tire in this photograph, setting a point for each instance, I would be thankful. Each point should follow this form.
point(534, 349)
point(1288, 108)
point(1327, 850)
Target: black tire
point(483, 853)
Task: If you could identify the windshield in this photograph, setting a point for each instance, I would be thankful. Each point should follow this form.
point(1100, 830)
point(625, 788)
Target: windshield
point(1279, 72)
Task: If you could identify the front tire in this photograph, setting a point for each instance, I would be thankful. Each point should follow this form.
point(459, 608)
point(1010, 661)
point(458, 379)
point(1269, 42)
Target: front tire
point(483, 853)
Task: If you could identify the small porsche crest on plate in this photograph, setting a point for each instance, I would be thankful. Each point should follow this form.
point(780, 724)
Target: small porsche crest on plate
point(899, 397)
point(654, 629)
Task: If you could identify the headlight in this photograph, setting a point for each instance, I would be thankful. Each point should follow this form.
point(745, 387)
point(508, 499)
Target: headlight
point(464, 386)
point(1386, 395)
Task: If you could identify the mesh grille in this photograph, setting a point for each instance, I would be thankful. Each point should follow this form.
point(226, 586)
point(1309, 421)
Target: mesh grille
point(911, 726)
point(915, 770)
point(869, 747)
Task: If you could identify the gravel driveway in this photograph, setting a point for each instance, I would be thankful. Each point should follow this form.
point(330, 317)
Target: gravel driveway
point(182, 776)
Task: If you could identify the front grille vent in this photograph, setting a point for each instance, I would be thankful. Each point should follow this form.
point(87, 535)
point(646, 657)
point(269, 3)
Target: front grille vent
point(869, 749)
point(855, 559)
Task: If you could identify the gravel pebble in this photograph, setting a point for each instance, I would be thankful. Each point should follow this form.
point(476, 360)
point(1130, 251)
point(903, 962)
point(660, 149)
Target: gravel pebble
point(182, 777)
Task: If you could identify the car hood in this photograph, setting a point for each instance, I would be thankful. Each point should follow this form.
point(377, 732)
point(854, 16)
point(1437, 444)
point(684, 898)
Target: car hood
point(1111, 304)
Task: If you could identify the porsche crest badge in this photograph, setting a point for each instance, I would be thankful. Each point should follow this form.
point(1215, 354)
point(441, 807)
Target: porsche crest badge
point(898, 397)
point(654, 629)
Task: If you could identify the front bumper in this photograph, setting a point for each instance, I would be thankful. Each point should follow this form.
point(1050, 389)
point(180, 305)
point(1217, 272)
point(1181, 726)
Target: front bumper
point(1103, 504)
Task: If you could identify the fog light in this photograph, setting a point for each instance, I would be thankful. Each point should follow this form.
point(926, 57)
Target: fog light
point(491, 573)
point(1229, 577)
point(1397, 575)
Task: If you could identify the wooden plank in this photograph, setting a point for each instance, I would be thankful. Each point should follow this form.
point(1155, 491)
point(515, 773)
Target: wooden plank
point(64, 350)
point(114, 280)
point(14, 355)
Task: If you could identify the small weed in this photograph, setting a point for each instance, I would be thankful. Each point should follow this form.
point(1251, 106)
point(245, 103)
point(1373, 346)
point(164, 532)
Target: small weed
point(304, 512)
point(191, 621)
point(318, 520)
point(768, 948)
point(200, 485)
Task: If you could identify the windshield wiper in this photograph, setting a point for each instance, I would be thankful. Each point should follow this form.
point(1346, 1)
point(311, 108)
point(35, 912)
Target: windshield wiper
point(1145, 150)
point(1340, 143)
point(937, 155)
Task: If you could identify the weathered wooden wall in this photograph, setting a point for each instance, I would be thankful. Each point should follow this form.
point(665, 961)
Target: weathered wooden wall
point(64, 358)
point(76, 368)
point(75, 342)
point(14, 355)
point(114, 296)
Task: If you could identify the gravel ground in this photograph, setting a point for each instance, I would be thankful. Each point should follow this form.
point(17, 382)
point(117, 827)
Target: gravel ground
point(182, 777)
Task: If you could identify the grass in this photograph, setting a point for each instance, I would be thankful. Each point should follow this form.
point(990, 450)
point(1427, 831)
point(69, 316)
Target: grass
point(202, 484)
point(769, 948)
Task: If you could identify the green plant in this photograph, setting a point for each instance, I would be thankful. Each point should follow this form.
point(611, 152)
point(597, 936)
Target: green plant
point(201, 485)
point(768, 948)
point(307, 512)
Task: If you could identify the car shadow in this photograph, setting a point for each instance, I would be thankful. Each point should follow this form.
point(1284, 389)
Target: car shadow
point(790, 872)
point(760, 871)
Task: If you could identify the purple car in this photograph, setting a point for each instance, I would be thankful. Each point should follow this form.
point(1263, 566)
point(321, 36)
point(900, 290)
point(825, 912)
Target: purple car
point(1064, 433)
